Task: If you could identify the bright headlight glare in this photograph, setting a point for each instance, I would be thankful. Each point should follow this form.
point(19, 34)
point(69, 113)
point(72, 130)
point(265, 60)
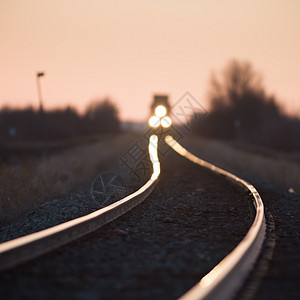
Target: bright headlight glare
point(154, 121)
point(160, 111)
point(166, 122)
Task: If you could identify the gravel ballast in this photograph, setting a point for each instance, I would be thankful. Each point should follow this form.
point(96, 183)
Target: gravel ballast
point(161, 248)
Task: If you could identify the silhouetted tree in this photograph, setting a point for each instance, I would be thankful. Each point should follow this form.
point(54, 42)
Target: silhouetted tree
point(30, 125)
point(62, 124)
point(102, 117)
point(241, 109)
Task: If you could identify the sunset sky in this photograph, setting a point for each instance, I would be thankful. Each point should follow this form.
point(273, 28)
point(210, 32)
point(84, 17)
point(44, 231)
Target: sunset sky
point(129, 50)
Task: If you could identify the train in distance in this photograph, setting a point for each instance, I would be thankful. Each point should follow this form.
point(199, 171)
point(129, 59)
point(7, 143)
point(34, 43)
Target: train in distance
point(160, 112)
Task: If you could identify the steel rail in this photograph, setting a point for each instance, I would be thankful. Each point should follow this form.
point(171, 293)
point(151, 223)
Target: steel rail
point(224, 280)
point(33, 245)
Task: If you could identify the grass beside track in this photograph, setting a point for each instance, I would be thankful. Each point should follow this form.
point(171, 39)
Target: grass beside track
point(27, 186)
point(278, 168)
point(32, 183)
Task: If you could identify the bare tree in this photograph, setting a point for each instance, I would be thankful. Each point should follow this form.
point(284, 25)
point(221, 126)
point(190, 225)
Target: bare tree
point(241, 109)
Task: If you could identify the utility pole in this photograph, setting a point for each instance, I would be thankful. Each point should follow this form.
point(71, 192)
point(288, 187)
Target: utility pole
point(38, 75)
point(43, 121)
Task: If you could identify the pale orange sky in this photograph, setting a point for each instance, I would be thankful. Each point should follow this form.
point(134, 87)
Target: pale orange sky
point(128, 50)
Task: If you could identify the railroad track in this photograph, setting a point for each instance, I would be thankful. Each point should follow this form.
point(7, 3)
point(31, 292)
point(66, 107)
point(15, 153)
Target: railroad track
point(33, 245)
point(223, 280)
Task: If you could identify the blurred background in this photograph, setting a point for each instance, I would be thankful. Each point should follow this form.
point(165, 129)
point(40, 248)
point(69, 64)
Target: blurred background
point(128, 50)
point(77, 72)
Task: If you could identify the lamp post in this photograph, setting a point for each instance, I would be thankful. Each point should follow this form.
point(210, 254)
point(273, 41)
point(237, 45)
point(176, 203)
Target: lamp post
point(41, 113)
point(38, 75)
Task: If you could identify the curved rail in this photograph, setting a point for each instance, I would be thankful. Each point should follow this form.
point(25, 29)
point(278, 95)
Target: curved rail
point(33, 245)
point(223, 281)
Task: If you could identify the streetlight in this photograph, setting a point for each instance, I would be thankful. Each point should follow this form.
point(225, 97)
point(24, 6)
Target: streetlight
point(41, 112)
point(38, 75)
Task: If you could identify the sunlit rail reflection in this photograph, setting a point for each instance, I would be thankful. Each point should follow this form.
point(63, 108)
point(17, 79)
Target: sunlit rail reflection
point(28, 247)
point(153, 143)
point(226, 277)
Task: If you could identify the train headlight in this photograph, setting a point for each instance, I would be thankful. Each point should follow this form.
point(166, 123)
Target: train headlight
point(166, 122)
point(154, 121)
point(160, 111)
